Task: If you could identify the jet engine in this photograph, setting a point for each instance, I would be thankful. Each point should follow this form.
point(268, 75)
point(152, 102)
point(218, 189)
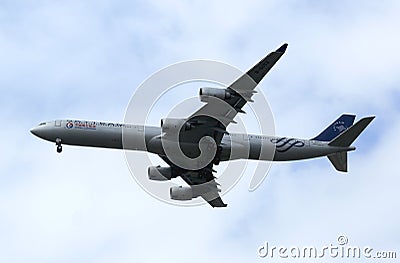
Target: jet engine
point(181, 193)
point(173, 124)
point(222, 94)
point(158, 173)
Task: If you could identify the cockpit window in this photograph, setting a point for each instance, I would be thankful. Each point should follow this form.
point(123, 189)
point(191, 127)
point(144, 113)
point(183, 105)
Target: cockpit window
point(42, 123)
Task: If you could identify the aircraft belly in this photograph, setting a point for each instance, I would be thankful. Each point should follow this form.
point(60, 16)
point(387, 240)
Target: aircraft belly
point(108, 138)
point(253, 149)
point(265, 149)
point(301, 153)
point(135, 138)
point(105, 137)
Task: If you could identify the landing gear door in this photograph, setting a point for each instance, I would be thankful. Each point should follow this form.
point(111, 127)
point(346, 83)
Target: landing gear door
point(57, 123)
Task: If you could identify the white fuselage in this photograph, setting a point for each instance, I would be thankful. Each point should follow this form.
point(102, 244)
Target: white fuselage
point(148, 138)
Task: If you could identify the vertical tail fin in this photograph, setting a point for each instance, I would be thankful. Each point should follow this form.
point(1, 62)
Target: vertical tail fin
point(336, 128)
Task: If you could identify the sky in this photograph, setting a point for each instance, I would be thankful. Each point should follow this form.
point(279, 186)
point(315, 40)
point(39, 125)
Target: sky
point(84, 60)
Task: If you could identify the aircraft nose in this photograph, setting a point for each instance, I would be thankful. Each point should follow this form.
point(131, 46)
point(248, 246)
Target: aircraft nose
point(39, 131)
point(43, 131)
point(34, 131)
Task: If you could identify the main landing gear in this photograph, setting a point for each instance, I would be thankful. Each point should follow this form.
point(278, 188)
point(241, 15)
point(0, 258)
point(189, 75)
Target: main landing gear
point(58, 143)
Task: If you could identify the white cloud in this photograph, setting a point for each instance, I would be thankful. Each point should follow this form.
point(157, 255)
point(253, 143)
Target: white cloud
point(84, 60)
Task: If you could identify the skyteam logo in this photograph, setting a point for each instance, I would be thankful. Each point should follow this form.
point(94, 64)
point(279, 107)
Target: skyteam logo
point(339, 126)
point(69, 125)
point(284, 144)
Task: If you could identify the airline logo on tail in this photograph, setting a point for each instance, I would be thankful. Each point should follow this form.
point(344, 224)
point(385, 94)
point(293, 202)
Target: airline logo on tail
point(339, 126)
point(336, 128)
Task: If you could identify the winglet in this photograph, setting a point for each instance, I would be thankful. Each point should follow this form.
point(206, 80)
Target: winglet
point(283, 48)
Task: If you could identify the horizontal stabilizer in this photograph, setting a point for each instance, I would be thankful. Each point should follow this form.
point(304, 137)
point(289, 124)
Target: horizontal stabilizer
point(339, 161)
point(346, 138)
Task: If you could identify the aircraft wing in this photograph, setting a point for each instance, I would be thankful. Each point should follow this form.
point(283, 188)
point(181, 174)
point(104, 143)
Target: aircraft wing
point(203, 184)
point(213, 118)
point(201, 181)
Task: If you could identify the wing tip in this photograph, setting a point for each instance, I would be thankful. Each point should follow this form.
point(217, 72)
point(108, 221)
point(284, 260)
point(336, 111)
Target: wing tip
point(222, 205)
point(217, 202)
point(282, 48)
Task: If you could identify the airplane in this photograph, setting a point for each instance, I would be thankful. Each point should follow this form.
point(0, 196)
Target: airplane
point(334, 142)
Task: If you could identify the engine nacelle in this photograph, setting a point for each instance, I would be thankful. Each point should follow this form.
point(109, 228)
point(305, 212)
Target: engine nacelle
point(181, 193)
point(222, 94)
point(158, 173)
point(173, 124)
